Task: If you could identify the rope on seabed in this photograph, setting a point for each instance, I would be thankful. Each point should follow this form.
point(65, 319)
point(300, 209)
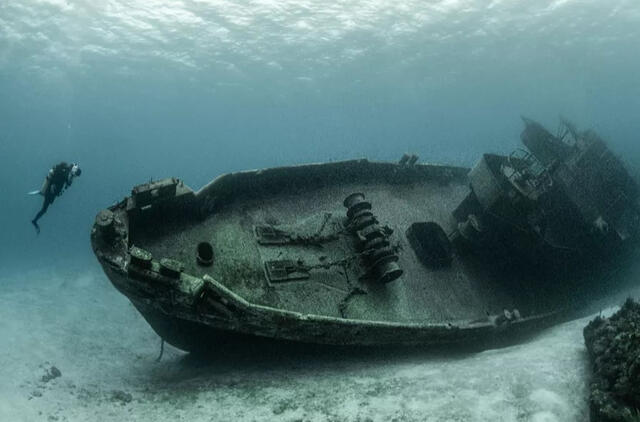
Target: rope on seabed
point(161, 350)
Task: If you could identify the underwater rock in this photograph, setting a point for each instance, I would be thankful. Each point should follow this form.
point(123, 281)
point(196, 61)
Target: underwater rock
point(52, 373)
point(614, 351)
point(121, 397)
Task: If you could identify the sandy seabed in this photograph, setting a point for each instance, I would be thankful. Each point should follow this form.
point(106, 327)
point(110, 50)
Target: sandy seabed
point(73, 349)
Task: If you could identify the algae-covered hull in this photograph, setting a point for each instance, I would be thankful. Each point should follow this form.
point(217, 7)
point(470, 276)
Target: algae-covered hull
point(364, 253)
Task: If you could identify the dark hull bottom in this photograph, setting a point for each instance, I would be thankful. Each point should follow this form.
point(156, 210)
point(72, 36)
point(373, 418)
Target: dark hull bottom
point(205, 340)
point(188, 335)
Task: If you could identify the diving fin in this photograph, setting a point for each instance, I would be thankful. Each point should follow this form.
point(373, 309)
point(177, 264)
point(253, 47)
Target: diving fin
point(34, 192)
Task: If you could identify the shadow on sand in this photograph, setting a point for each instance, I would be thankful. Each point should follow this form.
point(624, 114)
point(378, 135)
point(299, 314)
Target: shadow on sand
point(259, 359)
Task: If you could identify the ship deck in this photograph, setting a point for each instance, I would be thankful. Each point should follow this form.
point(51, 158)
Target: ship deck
point(467, 290)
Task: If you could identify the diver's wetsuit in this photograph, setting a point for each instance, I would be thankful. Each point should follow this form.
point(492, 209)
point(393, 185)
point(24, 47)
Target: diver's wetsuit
point(57, 180)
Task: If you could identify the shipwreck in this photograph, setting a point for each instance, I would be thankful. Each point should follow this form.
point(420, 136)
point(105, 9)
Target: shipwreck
point(374, 253)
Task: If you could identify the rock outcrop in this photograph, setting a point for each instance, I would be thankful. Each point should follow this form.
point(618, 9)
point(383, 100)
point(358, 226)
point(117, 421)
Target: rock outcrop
point(614, 350)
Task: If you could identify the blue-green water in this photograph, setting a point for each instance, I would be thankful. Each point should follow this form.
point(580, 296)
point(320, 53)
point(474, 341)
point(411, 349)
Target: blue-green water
point(145, 89)
point(141, 89)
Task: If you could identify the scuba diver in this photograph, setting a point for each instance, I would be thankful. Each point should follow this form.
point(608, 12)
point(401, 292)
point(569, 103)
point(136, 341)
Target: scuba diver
point(59, 178)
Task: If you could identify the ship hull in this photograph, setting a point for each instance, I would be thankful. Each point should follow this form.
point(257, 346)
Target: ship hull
point(274, 256)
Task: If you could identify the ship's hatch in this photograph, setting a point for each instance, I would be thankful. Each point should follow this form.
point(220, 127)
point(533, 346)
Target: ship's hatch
point(286, 270)
point(269, 235)
point(431, 244)
point(309, 250)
